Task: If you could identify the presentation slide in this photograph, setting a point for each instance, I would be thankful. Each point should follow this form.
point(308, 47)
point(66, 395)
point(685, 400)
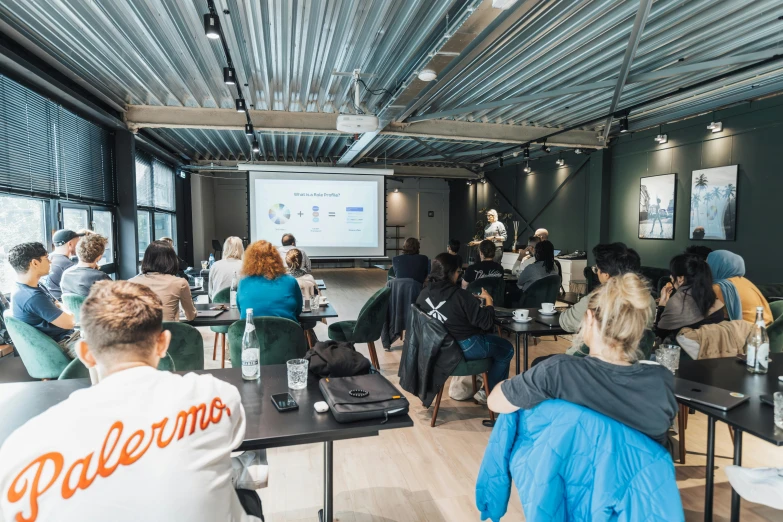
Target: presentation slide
point(330, 214)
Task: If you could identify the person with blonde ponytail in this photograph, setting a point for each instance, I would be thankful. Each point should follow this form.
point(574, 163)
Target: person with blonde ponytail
point(611, 380)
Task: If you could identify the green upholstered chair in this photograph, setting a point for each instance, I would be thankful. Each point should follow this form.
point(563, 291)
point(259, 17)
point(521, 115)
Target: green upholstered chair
point(187, 347)
point(464, 369)
point(390, 274)
point(73, 303)
point(42, 357)
point(367, 327)
point(775, 330)
point(544, 290)
point(495, 286)
point(280, 339)
point(223, 296)
point(77, 370)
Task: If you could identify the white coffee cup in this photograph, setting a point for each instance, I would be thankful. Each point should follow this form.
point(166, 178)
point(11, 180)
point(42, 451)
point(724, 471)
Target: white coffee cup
point(521, 313)
point(548, 307)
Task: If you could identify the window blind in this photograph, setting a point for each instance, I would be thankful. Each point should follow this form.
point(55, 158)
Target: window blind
point(143, 179)
point(154, 183)
point(46, 150)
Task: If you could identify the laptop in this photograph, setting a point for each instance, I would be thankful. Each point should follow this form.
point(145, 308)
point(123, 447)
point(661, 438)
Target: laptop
point(707, 395)
point(209, 313)
point(557, 252)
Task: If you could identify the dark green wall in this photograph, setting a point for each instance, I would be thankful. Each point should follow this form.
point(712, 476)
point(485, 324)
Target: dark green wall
point(752, 137)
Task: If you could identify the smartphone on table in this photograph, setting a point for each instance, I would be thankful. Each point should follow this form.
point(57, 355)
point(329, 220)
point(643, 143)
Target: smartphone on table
point(284, 402)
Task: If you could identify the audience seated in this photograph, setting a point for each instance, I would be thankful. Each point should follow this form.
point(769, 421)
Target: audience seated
point(183, 265)
point(222, 272)
point(289, 242)
point(453, 249)
point(611, 381)
point(611, 260)
point(410, 264)
point(79, 278)
point(32, 303)
point(65, 242)
point(265, 286)
point(306, 281)
point(542, 234)
point(544, 265)
point(527, 256)
point(464, 317)
point(740, 296)
point(159, 269)
point(699, 251)
point(484, 268)
point(689, 300)
point(171, 477)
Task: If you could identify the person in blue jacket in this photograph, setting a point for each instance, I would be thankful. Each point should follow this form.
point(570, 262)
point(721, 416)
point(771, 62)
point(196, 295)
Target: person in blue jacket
point(265, 286)
point(612, 380)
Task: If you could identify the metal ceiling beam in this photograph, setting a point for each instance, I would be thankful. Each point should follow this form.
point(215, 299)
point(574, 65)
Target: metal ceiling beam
point(412, 171)
point(630, 51)
point(429, 147)
point(464, 154)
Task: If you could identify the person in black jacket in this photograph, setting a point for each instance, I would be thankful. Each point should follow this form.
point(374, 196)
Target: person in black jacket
point(464, 317)
point(410, 264)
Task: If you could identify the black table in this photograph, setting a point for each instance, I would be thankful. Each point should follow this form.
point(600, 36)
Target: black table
point(265, 427)
point(540, 325)
point(231, 316)
point(750, 417)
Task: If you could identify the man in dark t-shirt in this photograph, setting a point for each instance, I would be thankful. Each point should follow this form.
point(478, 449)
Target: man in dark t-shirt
point(65, 242)
point(486, 267)
point(33, 304)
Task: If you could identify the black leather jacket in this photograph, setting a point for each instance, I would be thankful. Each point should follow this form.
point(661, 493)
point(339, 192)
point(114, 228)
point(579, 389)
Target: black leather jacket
point(429, 356)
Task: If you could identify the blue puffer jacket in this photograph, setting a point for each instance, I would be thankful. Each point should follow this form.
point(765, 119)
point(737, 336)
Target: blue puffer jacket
point(571, 463)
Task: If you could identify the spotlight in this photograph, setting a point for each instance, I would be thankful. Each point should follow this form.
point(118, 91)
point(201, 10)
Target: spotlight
point(212, 26)
point(500, 161)
point(256, 148)
point(527, 168)
point(229, 76)
point(396, 190)
point(662, 138)
point(546, 148)
point(483, 180)
point(516, 154)
point(481, 165)
point(526, 152)
point(624, 124)
point(469, 183)
point(715, 126)
point(560, 161)
point(577, 151)
point(182, 174)
point(249, 129)
point(240, 103)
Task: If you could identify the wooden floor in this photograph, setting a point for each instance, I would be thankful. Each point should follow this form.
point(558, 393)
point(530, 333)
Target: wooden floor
point(429, 474)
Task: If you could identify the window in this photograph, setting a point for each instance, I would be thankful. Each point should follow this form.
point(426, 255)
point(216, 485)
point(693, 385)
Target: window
point(102, 224)
point(165, 226)
point(75, 219)
point(145, 231)
point(22, 220)
point(156, 200)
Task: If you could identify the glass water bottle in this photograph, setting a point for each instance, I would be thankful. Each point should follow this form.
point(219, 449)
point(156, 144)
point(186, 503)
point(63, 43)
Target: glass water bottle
point(757, 345)
point(251, 350)
point(232, 300)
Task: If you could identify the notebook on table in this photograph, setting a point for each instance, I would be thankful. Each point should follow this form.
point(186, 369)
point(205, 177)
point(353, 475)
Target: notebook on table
point(210, 313)
point(707, 395)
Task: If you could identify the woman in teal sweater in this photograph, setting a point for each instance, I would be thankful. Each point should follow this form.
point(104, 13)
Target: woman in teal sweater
point(265, 286)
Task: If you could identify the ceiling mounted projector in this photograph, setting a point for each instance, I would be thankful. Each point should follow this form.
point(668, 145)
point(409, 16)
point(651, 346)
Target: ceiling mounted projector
point(357, 123)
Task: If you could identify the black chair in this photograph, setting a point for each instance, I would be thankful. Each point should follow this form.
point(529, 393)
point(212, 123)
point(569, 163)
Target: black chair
point(544, 290)
point(591, 278)
point(218, 248)
point(495, 286)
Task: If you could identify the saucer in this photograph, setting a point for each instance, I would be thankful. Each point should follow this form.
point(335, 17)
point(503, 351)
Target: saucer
point(521, 320)
point(542, 312)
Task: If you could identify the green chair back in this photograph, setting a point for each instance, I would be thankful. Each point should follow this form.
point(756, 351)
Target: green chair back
point(544, 290)
point(77, 370)
point(224, 297)
point(369, 324)
point(280, 339)
point(73, 303)
point(187, 347)
point(42, 357)
point(390, 274)
point(775, 330)
point(495, 286)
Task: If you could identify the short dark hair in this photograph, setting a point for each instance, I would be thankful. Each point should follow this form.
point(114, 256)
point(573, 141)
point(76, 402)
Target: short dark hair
point(534, 240)
point(120, 316)
point(288, 240)
point(616, 259)
point(443, 267)
point(160, 258)
point(20, 256)
point(699, 251)
point(411, 246)
point(698, 233)
point(454, 245)
point(698, 276)
point(487, 248)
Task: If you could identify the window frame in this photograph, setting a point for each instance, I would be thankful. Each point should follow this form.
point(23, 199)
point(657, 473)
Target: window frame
point(49, 218)
point(109, 268)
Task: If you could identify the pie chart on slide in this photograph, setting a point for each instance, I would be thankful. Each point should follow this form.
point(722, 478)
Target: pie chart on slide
point(279, 214)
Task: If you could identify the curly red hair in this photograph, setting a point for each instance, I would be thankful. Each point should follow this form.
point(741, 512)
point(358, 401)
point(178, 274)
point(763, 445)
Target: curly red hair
point(262, 259)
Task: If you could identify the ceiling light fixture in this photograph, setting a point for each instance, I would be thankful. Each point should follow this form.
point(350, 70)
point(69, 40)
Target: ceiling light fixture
point(427, 75)
point(240, 104)
point(577, 151)
point(396, 189)
point(662, 138)
point(249, 129)
point(560, 161)
point(500, 161)
point(256, 148)
point(469, 183)
point(715, 126)
point(527, 168)
point(526, 152)
point(546, 148)
point(503, 4)
point(624, 124)
point(212, 26)
point(229, 76)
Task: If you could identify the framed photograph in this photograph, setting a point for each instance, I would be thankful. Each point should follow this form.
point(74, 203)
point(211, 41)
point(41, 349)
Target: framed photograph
point(714, 203)
point(657, 196)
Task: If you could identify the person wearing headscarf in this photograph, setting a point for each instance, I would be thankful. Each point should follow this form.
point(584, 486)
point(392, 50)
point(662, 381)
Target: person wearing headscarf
point(740, 296)
point(495, 231)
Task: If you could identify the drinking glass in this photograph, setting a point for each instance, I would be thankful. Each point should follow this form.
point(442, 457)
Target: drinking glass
point(198, 281)
point(779, 410)
point(204, 265)
point(315, 302)
point(297, 373)
point(674, 352)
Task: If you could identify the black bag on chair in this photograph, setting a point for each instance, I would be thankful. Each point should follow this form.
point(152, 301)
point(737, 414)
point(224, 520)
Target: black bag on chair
point(333, 359)
point(362, 397)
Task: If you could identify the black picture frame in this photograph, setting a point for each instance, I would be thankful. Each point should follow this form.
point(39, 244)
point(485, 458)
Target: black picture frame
point(714, 219)
point(661, 187)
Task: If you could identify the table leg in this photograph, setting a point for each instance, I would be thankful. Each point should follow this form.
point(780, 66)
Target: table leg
point(735, 498)
point(710, 485)
point(524, 347)
point(326, 514)
point(518, 354)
